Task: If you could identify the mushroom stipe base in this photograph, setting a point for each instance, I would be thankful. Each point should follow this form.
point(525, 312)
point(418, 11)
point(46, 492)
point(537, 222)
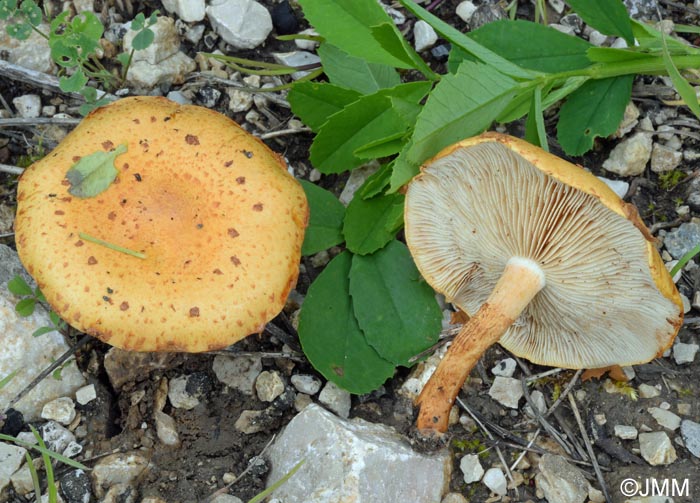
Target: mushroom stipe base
point(518, 285)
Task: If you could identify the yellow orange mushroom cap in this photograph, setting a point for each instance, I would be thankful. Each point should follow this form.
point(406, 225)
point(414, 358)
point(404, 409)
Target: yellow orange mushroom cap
point(608, 297)
point(214, 211)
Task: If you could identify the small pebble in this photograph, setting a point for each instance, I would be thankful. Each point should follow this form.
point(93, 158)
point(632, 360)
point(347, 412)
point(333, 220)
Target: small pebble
point(28, 105)
point(179, 396)
point(656, 448)
point(504, 368)
point(166, 429)
point(495, 481)
point(269, 385)
point(61, 410)
point(336, 399)
point(625, 432)
point(424, 36)
point(507, 391)
point(690, 431)
point(684, 353)
point(647, 391)
point(305, 383)
point(471, 468)
point(86, 394)
point(665, 418)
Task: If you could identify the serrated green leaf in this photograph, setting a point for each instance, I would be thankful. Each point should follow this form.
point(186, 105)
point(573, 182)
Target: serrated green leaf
point(355, 73)
point(371, 223)
point(347, 25)
point(685, 90)
point(18, 286)
point(594, 109)
point(391, 40)
point(93, 173)
point(535, 131)
point(394, 307)
point(25, 307)
point(376, 182)
point(546, 50)
point(609, 17)
point(456, 37)
point(461, 105)
point(330, 336)
point(315, 102)
point(325, 219)
point(366, 120)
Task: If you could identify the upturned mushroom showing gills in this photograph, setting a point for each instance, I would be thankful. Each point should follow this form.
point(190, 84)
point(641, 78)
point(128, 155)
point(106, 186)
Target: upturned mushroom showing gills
point(195, 243)
point(550, 262)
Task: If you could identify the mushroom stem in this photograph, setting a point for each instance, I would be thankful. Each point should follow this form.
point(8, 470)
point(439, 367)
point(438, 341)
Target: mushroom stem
point(519, 283)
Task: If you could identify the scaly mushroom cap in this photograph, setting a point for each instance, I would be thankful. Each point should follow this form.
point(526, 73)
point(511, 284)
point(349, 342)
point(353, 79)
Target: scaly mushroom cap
point(608, 298)
point(217, 215)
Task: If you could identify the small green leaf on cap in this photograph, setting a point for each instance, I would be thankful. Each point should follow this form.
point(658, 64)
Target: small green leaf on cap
point(93, 173)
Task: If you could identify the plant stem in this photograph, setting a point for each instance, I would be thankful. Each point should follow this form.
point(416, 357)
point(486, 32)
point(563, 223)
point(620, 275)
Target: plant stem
point(519, 283)
point(111, 246)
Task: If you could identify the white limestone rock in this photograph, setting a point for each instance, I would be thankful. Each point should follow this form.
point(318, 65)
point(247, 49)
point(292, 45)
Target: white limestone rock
point(11, 457)
point(120, 468)
point(630, 156)
point(188, 10)
point(166, 429)
point(664, 159)
point(625, 432)
point(178, 395)
point(690, 431)
point(172, 70)
point(305, 383)
point(238, 373)
point(471, 468)
point(665, 418)
point(684, 353)
point(619, 187)
point(504, 368)
point(61, 409)
point(86, 394)
point(166, 42)
point(33, 53)
point(424, 36)
point(495, 481)
point(507, 391)
point(28, 105)
point(656, 448)
point(336, 399)
point(561, 481)
point(27, 355)
point(353, 461)
point(269, 385)
point(245, 24)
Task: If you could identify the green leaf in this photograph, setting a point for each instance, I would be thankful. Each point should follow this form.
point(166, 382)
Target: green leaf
point(382, 147)
point(93, 173)
point(19, 287)
point(371, 223)
point(535, 131)
point(546, 50)
point(143, 39)
point(347, 25)
point(376, 182)
point(366, 120)
point(332, 339)
point(609, 17)
point(456, 37)
point(7, 9)
point(20, 31)
point(5, 380)
point(394, 307)
point(43, 330)
point(74, 83)
point(355, 73)
point(315, 102)
point(138, 22)
point(685, 90)
point(32, 12)
point(460, 106)
point(594, 109)
point(325, 220)
point(391, 39)
point(25, 307)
